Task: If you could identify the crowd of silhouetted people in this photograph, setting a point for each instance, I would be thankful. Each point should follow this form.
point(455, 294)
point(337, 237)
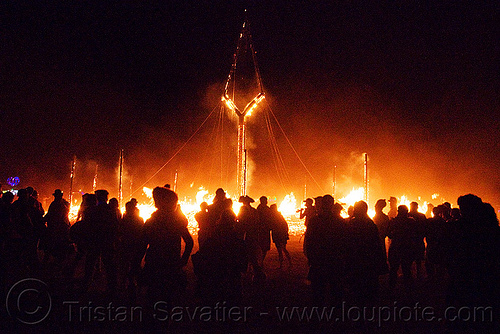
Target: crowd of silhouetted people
point(346, 256)
point(349, 254)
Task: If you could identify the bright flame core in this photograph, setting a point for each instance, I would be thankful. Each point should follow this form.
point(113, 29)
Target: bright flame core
point(288, 206)
point(248, 108)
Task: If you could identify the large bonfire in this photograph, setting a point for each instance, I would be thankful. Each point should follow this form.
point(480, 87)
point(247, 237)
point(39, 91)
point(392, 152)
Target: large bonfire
point(288, 207)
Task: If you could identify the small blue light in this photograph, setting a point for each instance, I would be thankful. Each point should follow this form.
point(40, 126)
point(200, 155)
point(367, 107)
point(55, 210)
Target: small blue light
point(13, 181)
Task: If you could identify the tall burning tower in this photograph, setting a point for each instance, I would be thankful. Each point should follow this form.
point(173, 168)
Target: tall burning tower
point(243, 88)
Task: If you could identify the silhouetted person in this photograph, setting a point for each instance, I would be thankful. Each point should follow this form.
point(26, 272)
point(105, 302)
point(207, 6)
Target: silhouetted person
point(381, 220)
point(248, 228)
point(115, 207)
point(436, 236)
point(36, 215)
point(308, 212)
point(317, 203)
point(447, 211)
point(85, 205)
point(161, 243)
point(203, 219)
point(220, 261)
point(455, 214)
point(5, 214)
point(326, 252)
point(79, 231)
point(419, 244)
point(474, 263)
point(402, 231)
point(489, 215)
point(57, 234)
point(393, 208)
point(279, 228)
point(130, 230)
point(337, 211)
point(214, 212)
point(22, 236)
point(5, 231)
point(350, 212)
point(366, 258)
point(101, 236)
point(264, 227)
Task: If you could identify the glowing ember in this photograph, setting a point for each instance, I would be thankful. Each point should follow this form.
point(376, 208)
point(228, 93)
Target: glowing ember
point(295, 225)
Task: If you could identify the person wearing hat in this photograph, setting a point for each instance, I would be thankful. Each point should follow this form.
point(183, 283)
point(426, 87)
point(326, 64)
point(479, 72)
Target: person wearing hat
point(308, 212)
point(246, 199)
point(36, 213)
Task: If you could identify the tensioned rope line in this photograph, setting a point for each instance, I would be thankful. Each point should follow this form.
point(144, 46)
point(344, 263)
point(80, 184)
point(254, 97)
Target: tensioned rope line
point(221, 144)
point(177, 152)
point(271, 144)
point(213, 146)
point(293, 148)
point(202, 161)
point(215, 158)
point(278, 153)
point(276, 156)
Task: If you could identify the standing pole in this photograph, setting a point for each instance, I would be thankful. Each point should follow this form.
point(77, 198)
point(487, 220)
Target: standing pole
point(73, 167)
point(305, 187)
point(241, 155)
point(245, 174)
point(94, 185)
point(244, 46)
point(175, 180)
point(366, 177)
point(131, 183)
point(334, 181)
point(120, 185)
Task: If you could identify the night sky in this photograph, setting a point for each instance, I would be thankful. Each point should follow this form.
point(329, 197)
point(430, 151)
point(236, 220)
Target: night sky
point(415, 84)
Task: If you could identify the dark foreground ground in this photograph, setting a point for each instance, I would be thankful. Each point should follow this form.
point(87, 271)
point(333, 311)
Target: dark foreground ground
point(282, 304)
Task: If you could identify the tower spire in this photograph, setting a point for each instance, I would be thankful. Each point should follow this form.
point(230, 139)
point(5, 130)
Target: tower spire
point(242, 94)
